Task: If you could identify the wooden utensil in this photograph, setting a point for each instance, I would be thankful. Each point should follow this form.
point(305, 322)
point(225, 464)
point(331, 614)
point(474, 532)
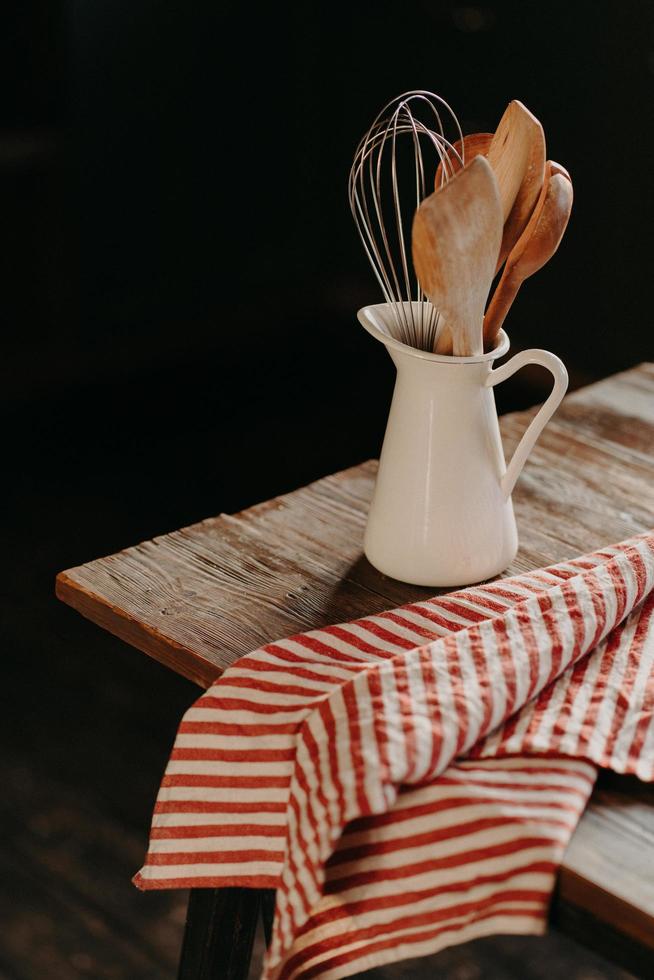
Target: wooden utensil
point(558, 168)
point(534, 248)
point(456, 237)
point(517, 156)
point(473, 145)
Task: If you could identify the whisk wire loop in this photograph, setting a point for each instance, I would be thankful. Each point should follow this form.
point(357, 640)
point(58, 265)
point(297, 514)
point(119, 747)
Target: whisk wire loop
point(378, 185)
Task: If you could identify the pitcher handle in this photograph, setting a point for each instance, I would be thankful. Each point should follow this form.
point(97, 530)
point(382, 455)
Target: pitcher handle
point(557, 369)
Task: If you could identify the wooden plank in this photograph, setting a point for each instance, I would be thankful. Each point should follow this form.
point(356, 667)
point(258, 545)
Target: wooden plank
point(198, 598)
point(609, 864)
point(605, 941)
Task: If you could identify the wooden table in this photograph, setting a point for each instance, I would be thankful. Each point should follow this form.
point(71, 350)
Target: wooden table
point(199, 598)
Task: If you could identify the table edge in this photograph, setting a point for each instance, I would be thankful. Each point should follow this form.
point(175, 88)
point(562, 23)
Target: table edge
point(160, 648)
point(574, 889)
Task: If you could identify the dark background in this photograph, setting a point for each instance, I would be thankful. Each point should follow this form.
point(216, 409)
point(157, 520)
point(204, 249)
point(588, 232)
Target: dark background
point(180, 278)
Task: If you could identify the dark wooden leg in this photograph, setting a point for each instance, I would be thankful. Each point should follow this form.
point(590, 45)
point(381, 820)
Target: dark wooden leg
point(219, 934)
point(268, 912)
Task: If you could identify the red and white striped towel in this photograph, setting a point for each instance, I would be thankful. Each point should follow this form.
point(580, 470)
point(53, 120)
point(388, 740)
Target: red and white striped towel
point(411, 780)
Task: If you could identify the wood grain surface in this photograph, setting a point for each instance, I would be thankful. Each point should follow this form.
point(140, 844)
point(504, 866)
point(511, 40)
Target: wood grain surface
point(198, 598)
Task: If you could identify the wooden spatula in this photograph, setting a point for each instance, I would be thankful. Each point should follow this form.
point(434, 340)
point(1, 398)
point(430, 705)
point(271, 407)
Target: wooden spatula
point(457, 232)
point(534, 248)
point(517, 156)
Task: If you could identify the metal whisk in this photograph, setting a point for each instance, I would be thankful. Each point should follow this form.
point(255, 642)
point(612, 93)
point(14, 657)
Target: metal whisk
point(398, 157)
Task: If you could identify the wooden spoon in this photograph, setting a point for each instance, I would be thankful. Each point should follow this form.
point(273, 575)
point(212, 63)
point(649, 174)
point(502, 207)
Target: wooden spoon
point(558, 168)
point(474, 144)
point(457, 232)
point(534, 248)
point(517, 156)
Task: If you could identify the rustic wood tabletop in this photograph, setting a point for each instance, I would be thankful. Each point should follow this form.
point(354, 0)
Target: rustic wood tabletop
point(200, 597)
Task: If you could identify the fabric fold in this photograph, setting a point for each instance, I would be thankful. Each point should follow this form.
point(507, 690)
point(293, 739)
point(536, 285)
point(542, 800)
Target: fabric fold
point(411, 779)
point(455, 691)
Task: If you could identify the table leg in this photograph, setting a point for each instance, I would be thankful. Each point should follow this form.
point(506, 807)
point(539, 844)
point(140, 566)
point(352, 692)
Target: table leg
point(268, 912)
point(220, 928)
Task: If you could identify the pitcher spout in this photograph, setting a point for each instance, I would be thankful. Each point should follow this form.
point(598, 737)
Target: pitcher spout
point(381, 322)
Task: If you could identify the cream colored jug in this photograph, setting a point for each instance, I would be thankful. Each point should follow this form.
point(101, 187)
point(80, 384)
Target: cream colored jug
point(441, 513)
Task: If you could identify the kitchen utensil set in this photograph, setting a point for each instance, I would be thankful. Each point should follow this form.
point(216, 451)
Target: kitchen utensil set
point(497, 203)
point(481, 204)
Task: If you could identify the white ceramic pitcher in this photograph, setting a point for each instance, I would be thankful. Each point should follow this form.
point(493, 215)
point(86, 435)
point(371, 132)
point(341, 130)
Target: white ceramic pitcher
point(441, 513)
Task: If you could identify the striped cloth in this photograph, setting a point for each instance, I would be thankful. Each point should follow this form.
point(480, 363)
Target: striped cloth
point(411, 780)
